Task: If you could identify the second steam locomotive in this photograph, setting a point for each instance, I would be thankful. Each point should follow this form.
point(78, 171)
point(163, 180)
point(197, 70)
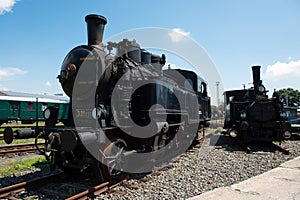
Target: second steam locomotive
point(121, 104)
point(252, 116)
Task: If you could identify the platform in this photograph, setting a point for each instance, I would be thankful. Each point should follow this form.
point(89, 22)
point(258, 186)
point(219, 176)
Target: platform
point(281, 183)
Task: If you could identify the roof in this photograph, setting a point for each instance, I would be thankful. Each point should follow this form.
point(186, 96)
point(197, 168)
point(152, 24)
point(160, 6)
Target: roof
point(19, 96)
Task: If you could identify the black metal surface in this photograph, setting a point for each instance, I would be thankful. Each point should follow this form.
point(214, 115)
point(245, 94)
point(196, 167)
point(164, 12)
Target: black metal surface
point(256, 76)
point(95, 28)
point(145, 57)
point(67, 144)
point(263, 119)
point(8, 135)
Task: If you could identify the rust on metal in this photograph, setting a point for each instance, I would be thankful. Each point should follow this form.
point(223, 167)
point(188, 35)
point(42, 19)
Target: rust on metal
point(19, 187)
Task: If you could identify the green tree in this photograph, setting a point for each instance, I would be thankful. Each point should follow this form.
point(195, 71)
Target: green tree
point(221, 106)
point(289, 97)
point(213, 107)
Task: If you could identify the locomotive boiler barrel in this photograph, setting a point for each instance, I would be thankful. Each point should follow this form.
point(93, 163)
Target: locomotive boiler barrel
point(95, 28)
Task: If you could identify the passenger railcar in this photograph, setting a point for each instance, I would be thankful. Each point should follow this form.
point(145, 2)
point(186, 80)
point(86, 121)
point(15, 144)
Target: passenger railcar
point(28, 109)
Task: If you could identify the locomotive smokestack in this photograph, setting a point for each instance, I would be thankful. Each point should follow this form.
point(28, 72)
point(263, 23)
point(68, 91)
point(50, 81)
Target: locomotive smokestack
point(95, 28)
point(256, 76)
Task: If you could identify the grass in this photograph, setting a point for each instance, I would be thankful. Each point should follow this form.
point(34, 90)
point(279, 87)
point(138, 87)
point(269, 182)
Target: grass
point(18, 165)
point(278, 142)
point(72, 191)
point(277, 165)
point(40, 123)
point(20, 125)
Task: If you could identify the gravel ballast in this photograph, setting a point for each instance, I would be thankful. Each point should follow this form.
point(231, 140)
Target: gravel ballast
point(218, 162)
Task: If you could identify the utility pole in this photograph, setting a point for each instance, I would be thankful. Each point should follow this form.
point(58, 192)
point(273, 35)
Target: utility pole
point(287, 98)
point(217, 84)
point(218, 101)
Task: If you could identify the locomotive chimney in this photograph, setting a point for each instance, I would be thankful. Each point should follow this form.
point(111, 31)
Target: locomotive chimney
point(256, 76)
point(95, 28)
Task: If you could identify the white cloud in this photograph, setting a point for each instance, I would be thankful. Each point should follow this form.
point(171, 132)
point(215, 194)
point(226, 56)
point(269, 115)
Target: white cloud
point(48, 84)
point(280, 70)
point(177, 34)
point(6, 6)
point(10, 73)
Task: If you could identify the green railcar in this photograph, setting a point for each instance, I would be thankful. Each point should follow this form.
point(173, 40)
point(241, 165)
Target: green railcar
point(29, 109)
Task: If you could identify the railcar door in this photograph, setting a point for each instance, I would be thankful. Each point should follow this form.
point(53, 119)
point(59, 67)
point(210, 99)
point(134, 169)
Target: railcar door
point(14, 110)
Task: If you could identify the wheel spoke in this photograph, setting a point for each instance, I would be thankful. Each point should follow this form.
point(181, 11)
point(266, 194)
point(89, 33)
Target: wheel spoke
point(113, 160)
point(113, 166)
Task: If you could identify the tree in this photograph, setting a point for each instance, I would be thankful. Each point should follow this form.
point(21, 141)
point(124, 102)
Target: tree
point(213, 107)
point(221, 106)
point(289, 97)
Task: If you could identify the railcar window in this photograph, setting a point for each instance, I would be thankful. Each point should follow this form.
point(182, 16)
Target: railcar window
point(30, 106)
point(204, 89)
point(188, 84)
point(13, 106)
point(200, 89)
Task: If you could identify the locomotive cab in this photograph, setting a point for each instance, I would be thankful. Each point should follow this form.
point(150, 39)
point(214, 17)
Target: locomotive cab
point(195, 83)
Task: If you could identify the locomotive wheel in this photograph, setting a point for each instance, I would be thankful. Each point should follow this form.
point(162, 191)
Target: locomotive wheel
point(159, 142)
point(113, 161)
point(175, 140)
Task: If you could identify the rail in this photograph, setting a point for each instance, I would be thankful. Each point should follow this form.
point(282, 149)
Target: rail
point(19, 187)
point(18, 148)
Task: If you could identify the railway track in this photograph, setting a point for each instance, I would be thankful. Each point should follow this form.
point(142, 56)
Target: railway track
point(93, 191)
point(262, 146)
point(44, 183)
point(1, 135)
point(19, 187)
point(89, 192)
point(18, 148)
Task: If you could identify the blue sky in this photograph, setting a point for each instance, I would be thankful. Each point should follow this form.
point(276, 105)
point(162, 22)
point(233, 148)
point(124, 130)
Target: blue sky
point(36, 35)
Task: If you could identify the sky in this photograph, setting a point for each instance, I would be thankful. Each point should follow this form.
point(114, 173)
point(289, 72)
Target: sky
point(36, 35)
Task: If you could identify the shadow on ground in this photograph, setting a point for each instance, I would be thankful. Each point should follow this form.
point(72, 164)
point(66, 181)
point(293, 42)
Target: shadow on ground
point(220, 141)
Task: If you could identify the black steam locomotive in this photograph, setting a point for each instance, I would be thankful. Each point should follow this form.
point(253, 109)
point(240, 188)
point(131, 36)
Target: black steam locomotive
point(251, 116)
point(122, 104)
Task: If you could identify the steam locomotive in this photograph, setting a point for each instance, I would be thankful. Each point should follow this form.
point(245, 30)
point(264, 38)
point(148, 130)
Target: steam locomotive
point(251, 116)
point(121, 105)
